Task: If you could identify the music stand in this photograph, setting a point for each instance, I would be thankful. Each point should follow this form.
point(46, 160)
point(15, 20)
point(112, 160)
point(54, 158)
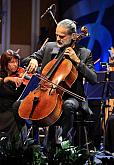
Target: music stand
point(33, 83)
point(103, 90)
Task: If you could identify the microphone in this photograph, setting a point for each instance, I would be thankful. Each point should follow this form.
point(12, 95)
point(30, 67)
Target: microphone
point(48, 9)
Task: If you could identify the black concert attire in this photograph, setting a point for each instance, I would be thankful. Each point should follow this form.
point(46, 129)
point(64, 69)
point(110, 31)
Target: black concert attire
point(85, 69)
point(10, 122)
point(109, 134)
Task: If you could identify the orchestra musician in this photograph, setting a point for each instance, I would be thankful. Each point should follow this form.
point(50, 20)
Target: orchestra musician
point(110, 69)
point(10, 89)
point(109, 132)
point(111, 59)
point(81, 58)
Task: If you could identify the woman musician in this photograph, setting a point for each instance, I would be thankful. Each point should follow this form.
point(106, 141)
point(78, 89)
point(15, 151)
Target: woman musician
point(11, 87)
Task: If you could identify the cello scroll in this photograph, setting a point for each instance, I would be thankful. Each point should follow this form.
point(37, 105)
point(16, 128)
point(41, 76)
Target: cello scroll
point(84, 33)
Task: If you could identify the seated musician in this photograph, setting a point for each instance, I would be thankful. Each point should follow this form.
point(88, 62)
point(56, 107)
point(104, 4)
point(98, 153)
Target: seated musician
point(111, 59)
point(109, 133)
point(10, 89)
point(81, 58)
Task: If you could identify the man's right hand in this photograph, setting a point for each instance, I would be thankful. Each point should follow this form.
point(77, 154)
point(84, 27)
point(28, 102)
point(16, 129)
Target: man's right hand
point(33, 65)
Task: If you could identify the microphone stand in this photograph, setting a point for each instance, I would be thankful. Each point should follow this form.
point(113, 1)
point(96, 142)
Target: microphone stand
point(53, 16)
point(106, 95)
point(49, 10)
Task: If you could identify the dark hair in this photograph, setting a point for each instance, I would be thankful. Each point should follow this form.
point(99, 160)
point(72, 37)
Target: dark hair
point(69, 24)
point(6, 58)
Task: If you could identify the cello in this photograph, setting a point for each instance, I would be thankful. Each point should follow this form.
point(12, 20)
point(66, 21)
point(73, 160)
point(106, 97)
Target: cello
point(44, 104)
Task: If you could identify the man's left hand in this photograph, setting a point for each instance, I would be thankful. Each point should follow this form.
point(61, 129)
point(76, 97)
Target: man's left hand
point(71, 53)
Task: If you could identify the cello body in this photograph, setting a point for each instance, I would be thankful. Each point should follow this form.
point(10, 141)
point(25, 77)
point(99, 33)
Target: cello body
point(44, 104)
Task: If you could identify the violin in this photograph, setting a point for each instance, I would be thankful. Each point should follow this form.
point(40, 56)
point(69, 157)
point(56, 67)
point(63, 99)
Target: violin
point(44, 104)
point(10, 86)
point(22, 73)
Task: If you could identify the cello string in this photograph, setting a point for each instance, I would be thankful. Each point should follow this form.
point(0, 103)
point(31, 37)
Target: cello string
point(63, 89)
point(60, 87)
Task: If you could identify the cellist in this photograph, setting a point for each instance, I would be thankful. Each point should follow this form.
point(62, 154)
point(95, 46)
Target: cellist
point(66, 33)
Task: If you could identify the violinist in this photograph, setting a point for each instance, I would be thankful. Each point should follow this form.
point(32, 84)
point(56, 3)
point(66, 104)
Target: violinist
point(81, 58)
point(10, 89)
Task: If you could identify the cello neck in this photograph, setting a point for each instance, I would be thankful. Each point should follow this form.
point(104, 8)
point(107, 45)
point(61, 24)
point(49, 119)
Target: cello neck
point(55, 66)
point(59, 60)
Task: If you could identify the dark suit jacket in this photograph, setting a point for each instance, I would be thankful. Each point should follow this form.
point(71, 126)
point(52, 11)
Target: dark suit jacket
point(85, 68)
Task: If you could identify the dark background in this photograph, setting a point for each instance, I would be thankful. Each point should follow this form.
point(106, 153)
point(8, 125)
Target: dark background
point(97, 16)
